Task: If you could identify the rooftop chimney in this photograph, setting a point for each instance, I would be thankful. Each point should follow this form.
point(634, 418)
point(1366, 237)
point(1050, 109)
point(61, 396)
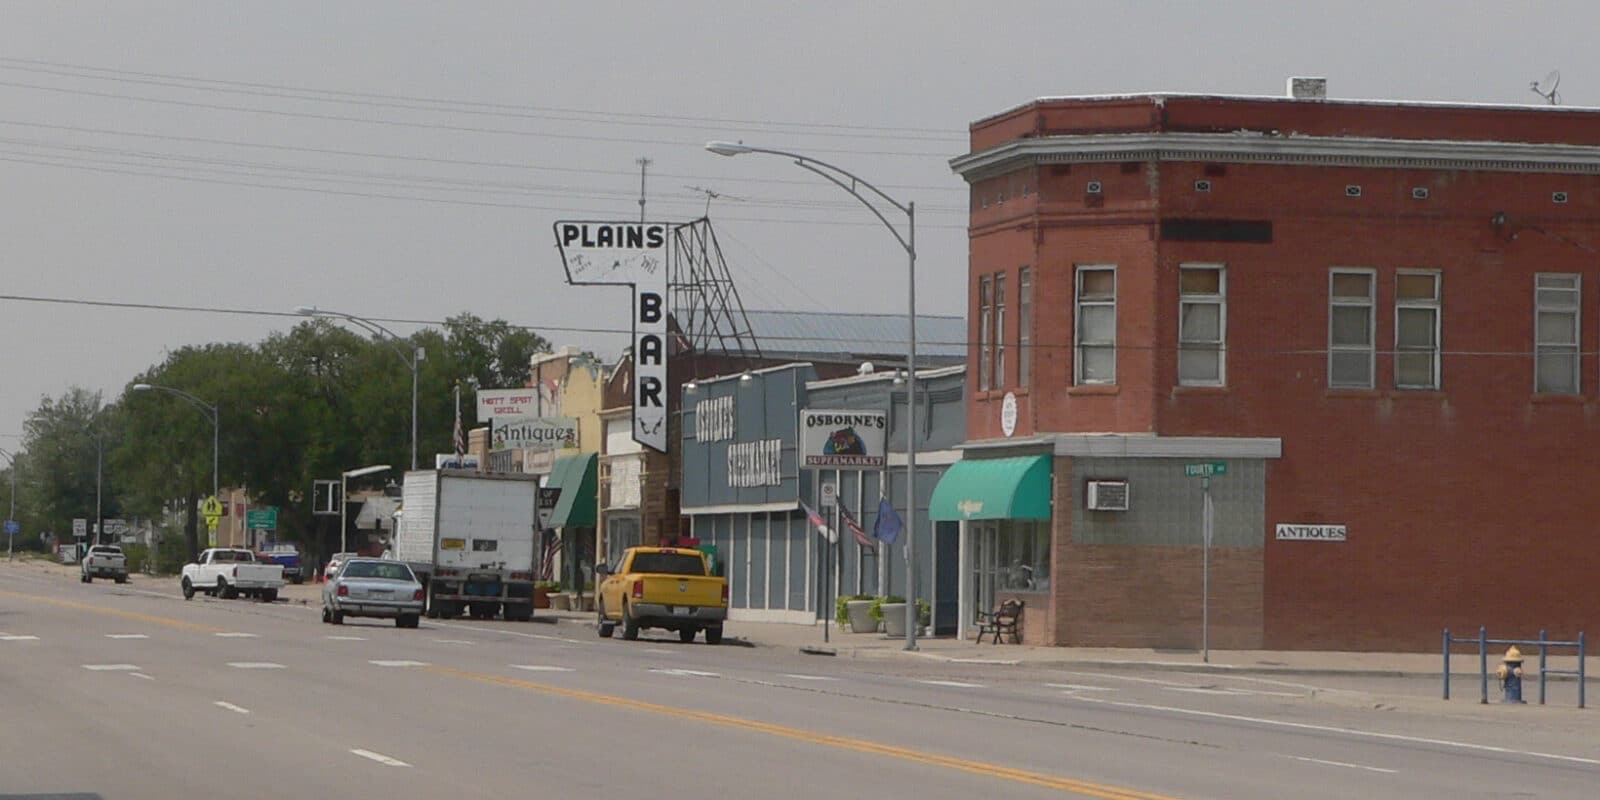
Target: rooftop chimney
point(1308, 88)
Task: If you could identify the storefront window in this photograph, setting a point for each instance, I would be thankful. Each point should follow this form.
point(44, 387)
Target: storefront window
point(1009, 556)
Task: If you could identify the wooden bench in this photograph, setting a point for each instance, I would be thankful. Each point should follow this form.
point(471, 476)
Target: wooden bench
point(1002, 620)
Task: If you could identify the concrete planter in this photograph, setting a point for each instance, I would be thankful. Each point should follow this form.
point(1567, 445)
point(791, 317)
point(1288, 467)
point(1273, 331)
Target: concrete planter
point(861, 620)
point(561, 602)
point(583, 602)
point(894, 619)
point(541, 598)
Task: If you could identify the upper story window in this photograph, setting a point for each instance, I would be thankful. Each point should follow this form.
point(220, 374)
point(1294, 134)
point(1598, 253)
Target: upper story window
point(1095, 329)
point(1350, 328)
point(1024, 323)
point(1202, 321)
point(999, 378)
point(985, 333)
point(1416, 330)
point(1557, 308)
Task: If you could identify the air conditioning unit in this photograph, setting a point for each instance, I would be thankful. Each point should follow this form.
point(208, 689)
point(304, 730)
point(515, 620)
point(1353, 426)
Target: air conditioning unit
point(1107, 496)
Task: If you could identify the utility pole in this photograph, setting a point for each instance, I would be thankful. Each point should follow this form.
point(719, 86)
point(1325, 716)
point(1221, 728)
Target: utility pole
point(644, 164)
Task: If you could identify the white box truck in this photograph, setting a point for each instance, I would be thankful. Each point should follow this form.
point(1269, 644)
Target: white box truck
point(470, 537)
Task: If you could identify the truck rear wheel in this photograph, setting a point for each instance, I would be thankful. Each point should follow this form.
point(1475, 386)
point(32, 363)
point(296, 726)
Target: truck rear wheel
point(269, 595)
point(714, 634)
point(188, 589)
point(630, 626)
point(686, 635)
point(518, 612)
point(122, 579)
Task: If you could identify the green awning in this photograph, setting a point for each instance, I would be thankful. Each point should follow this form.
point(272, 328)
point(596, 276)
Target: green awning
point(574, 475)
point(993, 488)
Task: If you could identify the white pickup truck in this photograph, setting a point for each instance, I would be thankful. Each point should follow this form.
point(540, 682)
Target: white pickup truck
point(104, 561)
point(228, 572)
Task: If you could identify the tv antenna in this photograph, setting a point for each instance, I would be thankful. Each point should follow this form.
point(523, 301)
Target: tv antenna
point(711, 195)
point(1550, 83)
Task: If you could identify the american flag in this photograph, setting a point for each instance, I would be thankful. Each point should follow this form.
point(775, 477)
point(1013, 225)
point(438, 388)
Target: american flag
point(856, 530)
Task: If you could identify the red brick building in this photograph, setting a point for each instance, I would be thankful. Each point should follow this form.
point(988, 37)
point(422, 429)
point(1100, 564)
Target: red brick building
point(1383, 318)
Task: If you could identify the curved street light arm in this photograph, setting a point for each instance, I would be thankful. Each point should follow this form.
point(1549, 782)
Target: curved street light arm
point(210, 409)
point(389, 337)
point(851, 188)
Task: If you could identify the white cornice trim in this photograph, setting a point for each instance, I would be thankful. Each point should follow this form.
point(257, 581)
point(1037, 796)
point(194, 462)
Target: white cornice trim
point(927, 458)
point(735, 508)
point(1120, 445)
point(1253, 147)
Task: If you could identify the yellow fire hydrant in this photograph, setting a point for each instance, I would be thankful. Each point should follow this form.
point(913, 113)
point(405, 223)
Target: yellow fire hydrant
point(1510, 674)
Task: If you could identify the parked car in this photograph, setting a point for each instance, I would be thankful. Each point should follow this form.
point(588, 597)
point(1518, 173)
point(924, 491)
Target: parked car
point(286, 556)
point(373, 587)
point(227, 572)
point(662, 587)
point(334, 563)
point(104, 561)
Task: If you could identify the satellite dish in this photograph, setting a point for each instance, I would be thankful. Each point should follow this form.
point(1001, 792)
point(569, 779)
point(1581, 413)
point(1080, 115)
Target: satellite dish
point(1549, 83)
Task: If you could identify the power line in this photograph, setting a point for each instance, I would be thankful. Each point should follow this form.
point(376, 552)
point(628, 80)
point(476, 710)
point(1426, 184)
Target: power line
point(426, 125)
point(460, 103)
point(143, 172)
point(1271, 351)
point(425, 159)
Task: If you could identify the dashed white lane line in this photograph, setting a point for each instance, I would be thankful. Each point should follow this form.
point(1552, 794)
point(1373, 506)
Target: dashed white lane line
point(381, 758)
point(111, 667)
point(345, 638)
point(451, 641)
point(398, 663)
point(541, 668)
point(687, 673)
point(953, 684)
point(809, 677)
point(658, 651)
point(1080, 687)
point(237, 635)
point(126, 636)
point(255, 665)
point(1130, 678)
point(231, 707)
point(141, 675)
point(1344, 764)
point(16, 638)
point(1305, 726)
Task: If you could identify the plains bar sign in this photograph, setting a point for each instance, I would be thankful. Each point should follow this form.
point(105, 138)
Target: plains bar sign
point(838, 439)
point(630, 254)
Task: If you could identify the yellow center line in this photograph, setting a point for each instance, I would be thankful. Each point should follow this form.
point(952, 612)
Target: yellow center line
point(982, 768)
point(115, 612)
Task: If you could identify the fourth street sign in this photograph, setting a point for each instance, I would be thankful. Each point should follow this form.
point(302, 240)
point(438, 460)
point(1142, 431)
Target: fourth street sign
point(1209, 469)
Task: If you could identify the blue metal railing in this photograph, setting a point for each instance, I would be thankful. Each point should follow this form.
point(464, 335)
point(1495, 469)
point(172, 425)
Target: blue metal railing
point(1543, 642)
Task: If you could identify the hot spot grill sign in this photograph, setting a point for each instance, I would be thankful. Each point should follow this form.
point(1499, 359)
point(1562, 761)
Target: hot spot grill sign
point(840, 439)
point(632, 254)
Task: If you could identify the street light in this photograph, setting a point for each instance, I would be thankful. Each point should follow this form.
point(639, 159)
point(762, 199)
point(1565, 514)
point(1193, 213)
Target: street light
point(344, 478)
point(216, 426)
point(417, 354)
point(11, 518)
point(853, 184)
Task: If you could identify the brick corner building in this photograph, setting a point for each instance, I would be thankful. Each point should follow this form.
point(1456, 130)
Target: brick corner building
point(1381, 317)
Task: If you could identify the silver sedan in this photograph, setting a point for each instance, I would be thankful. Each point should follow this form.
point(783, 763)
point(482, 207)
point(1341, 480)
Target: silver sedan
point(373, 587)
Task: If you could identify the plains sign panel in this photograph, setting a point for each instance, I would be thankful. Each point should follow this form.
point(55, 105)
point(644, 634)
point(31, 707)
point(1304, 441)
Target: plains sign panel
point(841, 439)
point(630, 254)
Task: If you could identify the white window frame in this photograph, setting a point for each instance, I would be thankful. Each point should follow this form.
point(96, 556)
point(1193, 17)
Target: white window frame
point(1024, 321)
point(1577, 328)
point(1220, 300)
point(1371, 304)
point(1077, 324)
point(1436, 305)
point(985, 331)
point(998, 381)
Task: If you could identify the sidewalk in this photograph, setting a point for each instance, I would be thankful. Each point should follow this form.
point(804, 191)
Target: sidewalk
point(1244, 662)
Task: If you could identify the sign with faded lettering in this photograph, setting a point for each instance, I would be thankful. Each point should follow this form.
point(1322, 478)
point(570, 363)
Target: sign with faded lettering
point(838, 439)
point(497, 404)
point(535, 433)
point(632, 254)
point(1311, 533)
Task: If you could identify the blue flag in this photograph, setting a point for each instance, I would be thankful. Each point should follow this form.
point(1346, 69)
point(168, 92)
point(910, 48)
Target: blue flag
point(888, 526)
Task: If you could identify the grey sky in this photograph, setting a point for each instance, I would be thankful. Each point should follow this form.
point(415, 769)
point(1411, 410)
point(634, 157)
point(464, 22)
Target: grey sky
point(914, 73)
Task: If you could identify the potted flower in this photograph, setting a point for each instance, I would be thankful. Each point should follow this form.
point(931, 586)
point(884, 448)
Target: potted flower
point(542, 591)
point(854, 611)
point(892, 612)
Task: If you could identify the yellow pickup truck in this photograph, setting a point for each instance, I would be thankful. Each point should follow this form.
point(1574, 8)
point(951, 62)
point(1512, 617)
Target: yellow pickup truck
point(671, 588)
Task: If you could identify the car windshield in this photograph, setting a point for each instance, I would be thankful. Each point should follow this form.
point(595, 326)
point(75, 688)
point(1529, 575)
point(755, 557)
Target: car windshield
point(669, 564)
point(108, 551)
point(380, 571)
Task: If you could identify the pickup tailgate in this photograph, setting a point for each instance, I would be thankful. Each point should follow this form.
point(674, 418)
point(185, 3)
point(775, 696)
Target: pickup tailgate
point(258, 573)
point(681, 590)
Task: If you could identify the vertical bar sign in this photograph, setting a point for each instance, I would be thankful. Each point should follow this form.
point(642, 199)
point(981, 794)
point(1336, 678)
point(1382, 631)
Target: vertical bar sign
point(630, 254)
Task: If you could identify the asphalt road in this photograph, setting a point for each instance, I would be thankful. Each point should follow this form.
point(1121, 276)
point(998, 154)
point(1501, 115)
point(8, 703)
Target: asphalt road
point(131, 692)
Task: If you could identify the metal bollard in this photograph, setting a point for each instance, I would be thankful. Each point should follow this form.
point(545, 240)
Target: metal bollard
point(1483, 665)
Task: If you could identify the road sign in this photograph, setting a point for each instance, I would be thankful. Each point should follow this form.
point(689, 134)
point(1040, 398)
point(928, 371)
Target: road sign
point(12, 526)
point(1208, 469)
point(116, 527)
point(830, 495)
point(211, 509)
point(262, 519)
point(80, 528)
